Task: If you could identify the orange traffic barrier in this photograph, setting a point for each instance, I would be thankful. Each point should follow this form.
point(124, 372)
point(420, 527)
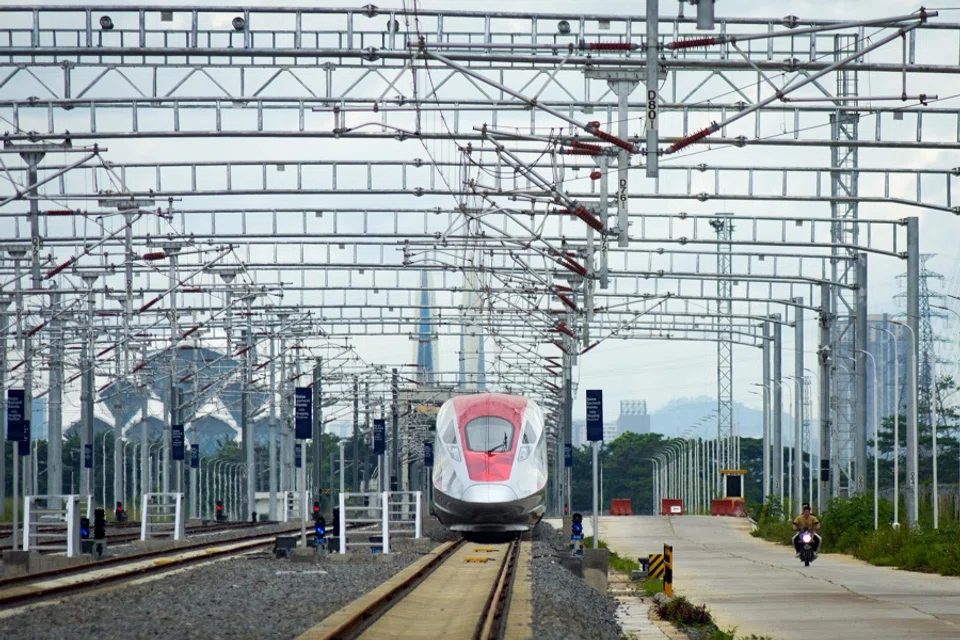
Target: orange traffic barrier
point(621, 507)
point(728, 507)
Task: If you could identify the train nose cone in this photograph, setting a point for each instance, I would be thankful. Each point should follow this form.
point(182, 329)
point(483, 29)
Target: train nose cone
point(489, 493)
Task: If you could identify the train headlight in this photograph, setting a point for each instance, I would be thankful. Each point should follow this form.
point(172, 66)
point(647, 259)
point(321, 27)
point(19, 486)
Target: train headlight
point(524, 452)
point(454, 451)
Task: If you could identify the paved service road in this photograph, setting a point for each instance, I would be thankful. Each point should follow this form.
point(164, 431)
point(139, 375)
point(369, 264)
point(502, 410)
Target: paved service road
point(761, 588)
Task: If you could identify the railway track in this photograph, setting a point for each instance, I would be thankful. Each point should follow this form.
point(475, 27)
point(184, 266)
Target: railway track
point(33, 587)
point(461, 591)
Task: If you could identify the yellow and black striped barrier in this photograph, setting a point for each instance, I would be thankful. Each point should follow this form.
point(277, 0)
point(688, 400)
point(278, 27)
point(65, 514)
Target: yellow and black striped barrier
point(668, 570)
point(656, 565)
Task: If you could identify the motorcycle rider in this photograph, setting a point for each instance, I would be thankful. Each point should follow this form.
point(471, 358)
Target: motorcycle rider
point(806, 520)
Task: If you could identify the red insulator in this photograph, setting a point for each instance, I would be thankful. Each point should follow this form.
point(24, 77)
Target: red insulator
point(154, 255)
point(590, 347)
point(60, 212)
point(586, 146)
point(36, 328)
point(611, 46)
point(591, 220)
point(563, 328)
point(106, 351)
point(595, 175)
point(623, 144)
point(693, 139)
point(567, 301)
point(58, 269)
point(190, 331)
point(580, 152)
point(149, 304)
point(575, 266)
point(193, 290)
point(690, 43)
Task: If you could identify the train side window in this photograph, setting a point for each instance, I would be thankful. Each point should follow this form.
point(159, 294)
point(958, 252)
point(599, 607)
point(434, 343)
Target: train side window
point(529, 433)
point(450, 433)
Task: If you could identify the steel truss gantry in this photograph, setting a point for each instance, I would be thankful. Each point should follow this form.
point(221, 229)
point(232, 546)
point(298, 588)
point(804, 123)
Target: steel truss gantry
point(471, 117)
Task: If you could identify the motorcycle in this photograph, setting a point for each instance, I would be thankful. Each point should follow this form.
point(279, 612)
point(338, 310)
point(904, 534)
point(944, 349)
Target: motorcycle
point(809, 542)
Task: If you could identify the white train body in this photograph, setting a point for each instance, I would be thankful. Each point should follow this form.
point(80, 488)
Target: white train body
point(490, 463)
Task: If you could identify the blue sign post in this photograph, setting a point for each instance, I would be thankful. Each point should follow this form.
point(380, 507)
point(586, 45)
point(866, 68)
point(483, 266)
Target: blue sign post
point(595, 436)
point(567, 455)
point(16, 398)
point(298, 455)
point(379, 436)
point(176, 442)
point(595, 415)
point(303, 413)
point(428, 453)
point(88, 456)
point(194, 456)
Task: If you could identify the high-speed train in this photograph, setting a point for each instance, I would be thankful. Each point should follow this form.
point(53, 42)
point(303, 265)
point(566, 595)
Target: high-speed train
point(490, 463)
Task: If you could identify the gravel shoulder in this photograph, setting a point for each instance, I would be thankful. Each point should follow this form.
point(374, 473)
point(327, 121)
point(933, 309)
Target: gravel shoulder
point(564, 607)
point(252, 596)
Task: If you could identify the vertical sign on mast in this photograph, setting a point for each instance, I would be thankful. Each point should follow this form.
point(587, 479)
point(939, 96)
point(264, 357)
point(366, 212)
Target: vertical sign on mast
point(595, 437)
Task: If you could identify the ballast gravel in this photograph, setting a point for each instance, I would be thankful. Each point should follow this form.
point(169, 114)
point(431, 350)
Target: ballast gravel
point(564, 606)
point(245, 597)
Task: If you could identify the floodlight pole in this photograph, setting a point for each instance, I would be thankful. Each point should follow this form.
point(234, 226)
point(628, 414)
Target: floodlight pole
point(798, 408)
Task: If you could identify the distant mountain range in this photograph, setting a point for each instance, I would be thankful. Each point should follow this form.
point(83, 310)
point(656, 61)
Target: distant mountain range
point(674, 419)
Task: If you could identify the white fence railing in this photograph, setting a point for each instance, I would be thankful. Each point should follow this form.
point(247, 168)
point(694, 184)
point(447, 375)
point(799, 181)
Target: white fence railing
point(162, 516)
point(52, 528)
point(390, 512)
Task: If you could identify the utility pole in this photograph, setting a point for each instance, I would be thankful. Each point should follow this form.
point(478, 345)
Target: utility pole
point(798, 408)
point(87, 393)
point(395, 444)
point(368, 436)
point(55, 403)
point(4, 330)
point(32, 158)
point(826, 363)
point(274, 430)
point(355, 486)
point(247, 427)
point(860, 366)
point(777, 411)
point(766, 409)
point(913, 323)
point(318, 430)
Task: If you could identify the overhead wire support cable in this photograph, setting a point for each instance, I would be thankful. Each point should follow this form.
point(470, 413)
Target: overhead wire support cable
point(782, 93)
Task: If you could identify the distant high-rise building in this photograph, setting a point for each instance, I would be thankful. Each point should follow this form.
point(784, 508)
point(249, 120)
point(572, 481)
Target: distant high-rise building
point(611, 430)
point(472, 360)
point(891, 358)
point(579, 433)
point(633, 416)
point(426, 347)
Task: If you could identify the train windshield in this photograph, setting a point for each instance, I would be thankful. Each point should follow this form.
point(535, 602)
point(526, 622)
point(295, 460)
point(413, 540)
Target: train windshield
point(489, 434)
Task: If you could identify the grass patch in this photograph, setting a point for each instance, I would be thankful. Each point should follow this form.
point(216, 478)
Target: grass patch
point(616, 562)
point(652, 586)
point(847, 527)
